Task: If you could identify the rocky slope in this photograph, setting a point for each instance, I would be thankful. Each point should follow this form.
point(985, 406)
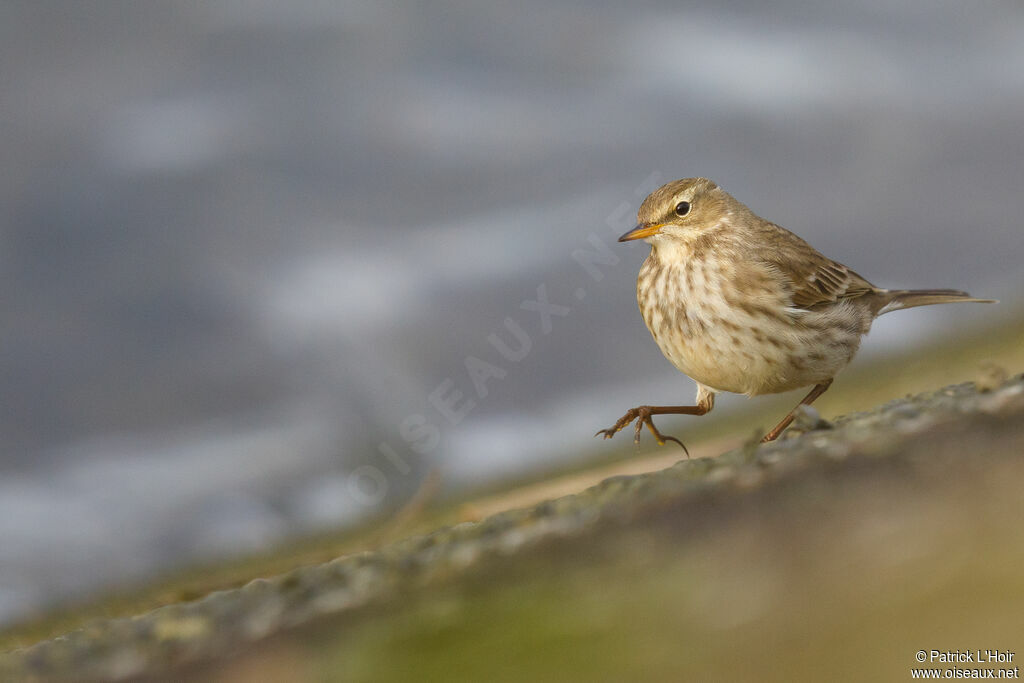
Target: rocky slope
point(838, 552)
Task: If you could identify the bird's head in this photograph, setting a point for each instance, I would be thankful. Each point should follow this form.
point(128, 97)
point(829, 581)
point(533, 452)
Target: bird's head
point(681, 209)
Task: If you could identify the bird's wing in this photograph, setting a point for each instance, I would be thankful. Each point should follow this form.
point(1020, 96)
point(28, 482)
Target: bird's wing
point(814, 279)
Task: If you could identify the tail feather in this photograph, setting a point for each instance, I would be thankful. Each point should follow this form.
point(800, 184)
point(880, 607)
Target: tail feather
point(896, 299)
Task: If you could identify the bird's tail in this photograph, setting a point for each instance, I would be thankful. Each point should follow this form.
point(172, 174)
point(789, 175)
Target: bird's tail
point(896, 299)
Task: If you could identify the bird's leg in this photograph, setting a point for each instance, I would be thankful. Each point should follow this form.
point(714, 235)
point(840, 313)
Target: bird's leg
point(642, 415)
point(817, 391)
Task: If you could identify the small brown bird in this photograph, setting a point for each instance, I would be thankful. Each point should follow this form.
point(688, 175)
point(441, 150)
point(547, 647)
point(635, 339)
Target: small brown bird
point(742, 305)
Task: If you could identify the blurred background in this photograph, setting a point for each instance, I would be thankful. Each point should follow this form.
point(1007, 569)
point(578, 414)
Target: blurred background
point(265, 265)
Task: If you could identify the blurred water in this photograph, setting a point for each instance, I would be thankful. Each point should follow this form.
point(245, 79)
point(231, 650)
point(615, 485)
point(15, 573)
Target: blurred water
point(243, 244)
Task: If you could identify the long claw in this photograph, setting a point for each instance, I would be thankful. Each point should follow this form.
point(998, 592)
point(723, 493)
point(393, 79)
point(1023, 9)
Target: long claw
point(662, 438)
point(642, 417)
point(681, 444)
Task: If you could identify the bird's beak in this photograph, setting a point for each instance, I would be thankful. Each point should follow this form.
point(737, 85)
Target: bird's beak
point(641, 231)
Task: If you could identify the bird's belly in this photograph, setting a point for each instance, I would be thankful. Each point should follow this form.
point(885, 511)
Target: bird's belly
point(761, 351)
point(719, 362)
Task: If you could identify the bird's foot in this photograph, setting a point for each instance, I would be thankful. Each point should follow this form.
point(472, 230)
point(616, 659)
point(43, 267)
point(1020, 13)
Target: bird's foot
point(642, 415)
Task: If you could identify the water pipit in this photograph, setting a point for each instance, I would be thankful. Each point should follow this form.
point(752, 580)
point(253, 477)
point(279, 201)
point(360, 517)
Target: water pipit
point(742, 305)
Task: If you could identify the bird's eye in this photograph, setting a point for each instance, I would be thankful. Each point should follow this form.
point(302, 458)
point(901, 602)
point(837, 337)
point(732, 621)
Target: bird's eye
point(682, 208)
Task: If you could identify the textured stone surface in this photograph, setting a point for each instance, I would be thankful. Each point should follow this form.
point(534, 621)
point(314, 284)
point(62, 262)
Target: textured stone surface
point(909, 433)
